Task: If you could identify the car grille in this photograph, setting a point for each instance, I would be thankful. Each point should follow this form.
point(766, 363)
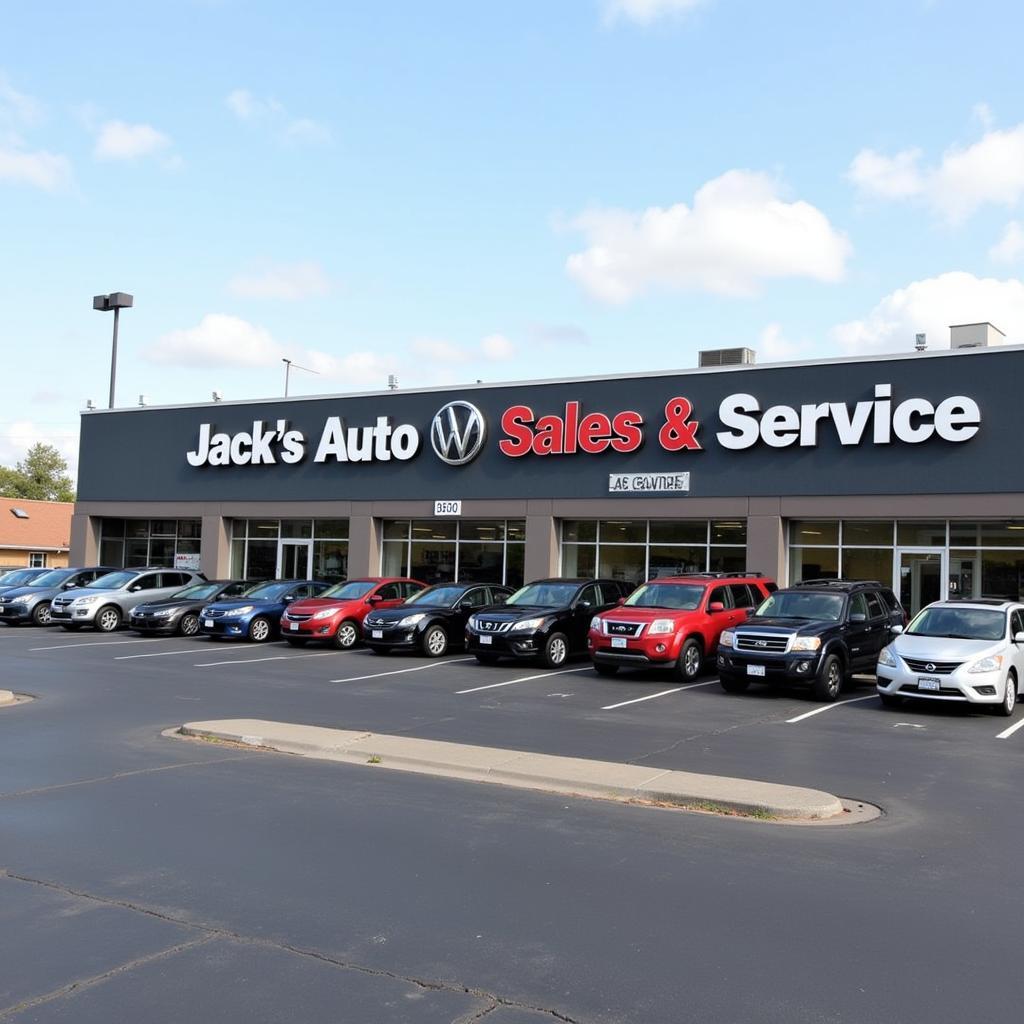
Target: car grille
point(213, 613)
point(633, 629)
point(943, 691)
point(295, 617)
point(774, 643)
point(375, 622)
point(933, 668)
point(493, 626)
point(61, 602)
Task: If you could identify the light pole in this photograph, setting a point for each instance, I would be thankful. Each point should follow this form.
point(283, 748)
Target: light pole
point(115, 301)
point(288, 364)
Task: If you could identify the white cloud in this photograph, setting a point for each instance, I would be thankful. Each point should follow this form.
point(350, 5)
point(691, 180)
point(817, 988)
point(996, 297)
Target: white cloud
point(738, 233)
point(497, 347)
point(288, 281)
point(18, 436)
point(274, 115)
point(118, 140)
point(643, 12)
point(354, 369)
point(990, 171)
point(931, 306)
point(773, 346)
point(39, 168)
point(17, 110)
point(493, 348)
point(982, 113)
point(1010, 247)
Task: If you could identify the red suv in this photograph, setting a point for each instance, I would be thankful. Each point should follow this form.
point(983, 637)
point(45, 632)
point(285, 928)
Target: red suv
point(674, 622)
point(337, 614)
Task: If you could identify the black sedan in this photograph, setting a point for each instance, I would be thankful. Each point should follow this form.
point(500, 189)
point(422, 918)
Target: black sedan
point(432, 620)
point(179, 613)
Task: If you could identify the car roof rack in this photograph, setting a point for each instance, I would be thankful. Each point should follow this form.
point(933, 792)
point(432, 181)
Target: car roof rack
point(984, 600)
point(719, 575)
point(833, 582)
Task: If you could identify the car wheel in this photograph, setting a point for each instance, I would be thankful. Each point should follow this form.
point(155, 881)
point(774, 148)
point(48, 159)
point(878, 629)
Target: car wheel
point(691, 659)
point(487, 659)
point(108, 619)
point(733, 684)
point(1009, 697)
point(435, 642)
point(829, 681)
point(189, 624)
point(296, 641)
point(605, 670)
point(259, 629)
point(890, 700)
point(556, 650)
point(41, 614)
point(346, 636)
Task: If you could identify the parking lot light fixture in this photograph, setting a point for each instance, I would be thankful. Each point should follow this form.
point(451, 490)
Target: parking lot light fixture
point(104, 303)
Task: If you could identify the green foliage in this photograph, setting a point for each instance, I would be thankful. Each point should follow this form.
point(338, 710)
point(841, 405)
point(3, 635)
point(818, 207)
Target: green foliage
point(41, 476)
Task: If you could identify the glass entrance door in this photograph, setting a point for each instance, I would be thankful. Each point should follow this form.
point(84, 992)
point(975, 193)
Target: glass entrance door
point(921, 577)
point(294, 558)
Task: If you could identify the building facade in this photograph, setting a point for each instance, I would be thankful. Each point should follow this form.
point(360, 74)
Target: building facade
point(34, 534)
point(898, 468)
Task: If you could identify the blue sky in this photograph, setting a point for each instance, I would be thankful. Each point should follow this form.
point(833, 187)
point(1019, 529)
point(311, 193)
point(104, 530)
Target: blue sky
point(455, 191)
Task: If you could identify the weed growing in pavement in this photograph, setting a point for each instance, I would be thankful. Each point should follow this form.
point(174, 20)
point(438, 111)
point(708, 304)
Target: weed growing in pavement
point(373, 759)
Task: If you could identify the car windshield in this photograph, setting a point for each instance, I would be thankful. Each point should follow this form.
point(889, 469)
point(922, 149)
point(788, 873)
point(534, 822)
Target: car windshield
point(802, 604)
point(555, 594)
point(112, 580)
point(53, 578)
point(442, 593)
point(680, 596)
point(268, 591)
point(11, 579)
point(199, 591)
point(349, 591)
point(959, 623)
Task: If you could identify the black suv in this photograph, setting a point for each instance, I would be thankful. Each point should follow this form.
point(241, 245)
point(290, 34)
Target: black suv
point(815, 633)
point(545, 620)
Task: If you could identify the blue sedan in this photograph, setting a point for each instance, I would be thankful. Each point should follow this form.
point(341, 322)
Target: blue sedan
point(257, 614)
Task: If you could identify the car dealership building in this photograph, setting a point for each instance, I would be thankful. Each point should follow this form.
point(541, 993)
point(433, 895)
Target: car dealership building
point(898, 468)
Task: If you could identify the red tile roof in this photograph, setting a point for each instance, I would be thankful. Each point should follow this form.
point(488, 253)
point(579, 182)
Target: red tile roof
point(48, 524)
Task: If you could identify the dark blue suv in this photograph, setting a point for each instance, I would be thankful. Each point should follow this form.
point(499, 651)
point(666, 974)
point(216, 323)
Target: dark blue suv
point(257, 615)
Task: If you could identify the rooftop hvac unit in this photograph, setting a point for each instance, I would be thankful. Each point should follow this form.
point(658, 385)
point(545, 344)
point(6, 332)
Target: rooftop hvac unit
point(975, 336)
point(727, 357)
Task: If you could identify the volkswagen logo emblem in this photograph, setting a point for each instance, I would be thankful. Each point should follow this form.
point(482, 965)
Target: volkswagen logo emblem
point(457, 433)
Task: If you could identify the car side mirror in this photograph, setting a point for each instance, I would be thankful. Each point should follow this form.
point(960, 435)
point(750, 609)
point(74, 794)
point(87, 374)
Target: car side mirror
point(858, 617)
point(716, 606)
point(465, 604)
point(896, 630)
point(584, 605)
point(288, 598)
point(1018, 638)
point(135, 589)
point(69, 585)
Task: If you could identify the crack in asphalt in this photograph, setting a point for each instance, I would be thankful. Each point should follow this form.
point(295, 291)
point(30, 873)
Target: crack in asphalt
point(213, 931)
point(117, 775)
point(710, 733)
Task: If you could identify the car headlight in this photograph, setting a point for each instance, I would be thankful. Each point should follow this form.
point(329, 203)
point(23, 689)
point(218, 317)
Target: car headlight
point(990, 664)
point(234, 613)
point(165, 613)
point(471, 622)
point(325, 614)
point(525, 624)
point(595, 623)
point(659, 626)
point(411, 620)
point(24, 599)
point(79, 601)
point(887, 658)
point(727, 639)
point(806, 643)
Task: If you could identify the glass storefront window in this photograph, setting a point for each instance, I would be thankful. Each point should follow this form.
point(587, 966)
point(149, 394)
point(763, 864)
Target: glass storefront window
point(140, 542)
point(727, 559)
point(729, 532)
point(868, 564)
point(396, 529)
point(394, 559)
point(579, 530)
point(432, 561)
point(482, 530)
point(330, 560)
point(300, 529)
point(471, 550)
point(579, 560)
point(867, 533)
point(622, 531)
point(809, 532)
point(921, 534)
point(427, 529)
point(480, 563)
point(164, 528)
point(813, 564)
point(679, 531)
point(623, 562)
point(330, 529)
point(993, 534)
point(256, 544)
point(136, 528)
point(676, 560)
point(981, 573)
point(261, 559)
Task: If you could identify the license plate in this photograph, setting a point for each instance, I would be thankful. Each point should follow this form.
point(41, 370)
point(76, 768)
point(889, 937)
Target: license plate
point(619, 641)
point(293, 626)
point(755, 670)
point(929, 683)
point(208, 623)
point(378, 634)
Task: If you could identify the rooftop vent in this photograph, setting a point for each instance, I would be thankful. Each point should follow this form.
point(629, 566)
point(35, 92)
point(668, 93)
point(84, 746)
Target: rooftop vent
point(727, 357)
point(975, 336)
point(19, 513)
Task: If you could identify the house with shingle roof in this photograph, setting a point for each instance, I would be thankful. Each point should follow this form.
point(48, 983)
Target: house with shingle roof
point(34, 533)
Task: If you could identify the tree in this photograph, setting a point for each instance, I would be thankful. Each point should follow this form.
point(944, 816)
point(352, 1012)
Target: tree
point(41, 476)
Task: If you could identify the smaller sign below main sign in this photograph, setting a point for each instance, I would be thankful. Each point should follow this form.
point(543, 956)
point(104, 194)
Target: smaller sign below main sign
point(648, 483)
point(447, 508)
point(187, 561)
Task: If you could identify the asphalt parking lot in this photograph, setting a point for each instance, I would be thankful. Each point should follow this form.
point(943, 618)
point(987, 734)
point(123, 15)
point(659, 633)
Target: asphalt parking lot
point(402, 897)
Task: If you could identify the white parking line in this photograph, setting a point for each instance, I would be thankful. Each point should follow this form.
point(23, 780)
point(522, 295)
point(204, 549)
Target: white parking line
point(167, 654)
point(401, 671)
point(107, 643)
point(275, 657)
point(525, 679)
point(663, 693)
point(1007, 733)
point(829, 707)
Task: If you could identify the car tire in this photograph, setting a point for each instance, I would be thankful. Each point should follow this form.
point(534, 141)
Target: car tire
point(487, 659)
point(108, 619)
point(556, 650)
point(260, 629)
point(41, 614)
point(296, 641)
point(189, 624)
point(828, 683)
point(435, 641)
point(1009, 702)
point(346, 636)
point(890, 700)
point(605, 670)
point(733, 684)
point(691, 660)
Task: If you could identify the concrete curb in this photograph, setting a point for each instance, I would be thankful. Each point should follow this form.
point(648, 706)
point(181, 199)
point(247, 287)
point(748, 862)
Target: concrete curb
point(6, 697)
point(528, 771)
